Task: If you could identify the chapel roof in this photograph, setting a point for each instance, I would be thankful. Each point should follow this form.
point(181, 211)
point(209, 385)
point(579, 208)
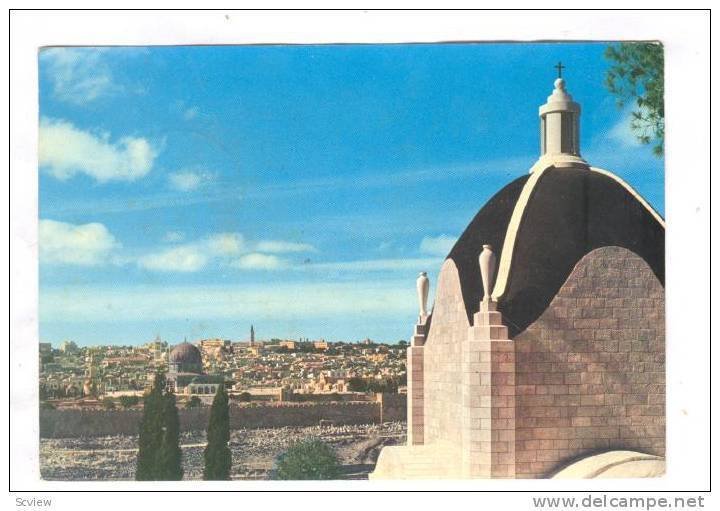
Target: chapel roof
point(545, 223)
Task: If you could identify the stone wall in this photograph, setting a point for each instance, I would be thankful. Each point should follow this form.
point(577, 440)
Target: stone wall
point(590, 372)
point(443, 397)
point(394, 407)
point(78, 423)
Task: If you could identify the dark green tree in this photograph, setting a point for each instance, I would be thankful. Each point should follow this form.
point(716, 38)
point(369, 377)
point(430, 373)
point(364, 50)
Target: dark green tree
point(151, 431)
point(636, 75)
point(309, 459)
point(169, 460)
point(218, 458)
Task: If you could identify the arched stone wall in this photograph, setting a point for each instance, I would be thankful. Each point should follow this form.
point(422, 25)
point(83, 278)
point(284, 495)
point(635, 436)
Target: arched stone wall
point(590, 372)
point(442, 361)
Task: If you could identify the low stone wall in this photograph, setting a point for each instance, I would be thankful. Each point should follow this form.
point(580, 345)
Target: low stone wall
point(89, 423)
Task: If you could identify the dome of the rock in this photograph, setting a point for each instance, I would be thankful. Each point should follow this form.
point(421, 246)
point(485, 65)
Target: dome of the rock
point(185, 358)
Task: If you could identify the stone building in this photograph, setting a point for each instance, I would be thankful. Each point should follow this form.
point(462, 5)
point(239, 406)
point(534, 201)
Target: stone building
point(546, 341)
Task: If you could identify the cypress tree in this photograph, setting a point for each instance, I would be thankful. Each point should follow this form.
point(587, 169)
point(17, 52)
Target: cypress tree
point(169, 459)
point(150, 431)
point(218, 458)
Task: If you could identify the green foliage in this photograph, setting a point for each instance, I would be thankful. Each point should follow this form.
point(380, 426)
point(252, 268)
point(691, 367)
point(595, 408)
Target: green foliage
point(128, 401)
point(108, 403)
point(44, 405)
point(193, 402)
point(218, 458)
point(309, 459)
point(636, 75)
point(244, 397)
point(159, 456)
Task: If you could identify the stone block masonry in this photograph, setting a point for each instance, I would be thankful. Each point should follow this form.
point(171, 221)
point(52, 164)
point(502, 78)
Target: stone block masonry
point(590, 372)
point(587, 376)
point(415, 396)
point(489, 408)
point(443, 382)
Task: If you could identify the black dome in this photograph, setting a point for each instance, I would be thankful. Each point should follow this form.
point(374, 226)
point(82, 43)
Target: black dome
point(570, 213)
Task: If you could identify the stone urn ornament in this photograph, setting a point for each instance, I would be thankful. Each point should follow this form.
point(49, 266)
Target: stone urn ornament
point(487, 261)
point(423, 288)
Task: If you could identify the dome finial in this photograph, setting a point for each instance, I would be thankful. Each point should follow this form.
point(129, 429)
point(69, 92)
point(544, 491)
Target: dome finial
point(560, 127)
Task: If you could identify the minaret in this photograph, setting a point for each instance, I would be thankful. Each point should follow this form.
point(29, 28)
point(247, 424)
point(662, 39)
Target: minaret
point(560, 128)
point(252, 335)
point(91, 369)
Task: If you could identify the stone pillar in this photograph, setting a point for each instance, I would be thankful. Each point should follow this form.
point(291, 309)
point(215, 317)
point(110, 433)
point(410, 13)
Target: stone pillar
point(416, 385)
point(488, 397)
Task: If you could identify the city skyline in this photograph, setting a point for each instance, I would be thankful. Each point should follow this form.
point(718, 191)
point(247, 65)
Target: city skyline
point(190, 191)
point(237, 339)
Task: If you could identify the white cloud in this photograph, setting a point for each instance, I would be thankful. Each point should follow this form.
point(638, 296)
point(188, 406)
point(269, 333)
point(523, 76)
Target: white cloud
point(64, 150)
point(621, 133)
point(173, 237)
point(226, 243)
point(439, 245)
point(188, 180)
point(64, 243)
point(190, 113)
point(228, 248)
point(415, 264)
point(78, 75)
point(619, 150)
point(195, 256)
point(255, 261)
point(180, 259)
point(279, 247)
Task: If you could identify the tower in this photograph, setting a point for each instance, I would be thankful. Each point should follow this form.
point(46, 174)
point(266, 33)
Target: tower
point(252, 335)
point(560, 128)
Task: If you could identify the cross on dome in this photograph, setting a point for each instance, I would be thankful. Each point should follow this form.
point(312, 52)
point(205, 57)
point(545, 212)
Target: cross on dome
point(559, 68)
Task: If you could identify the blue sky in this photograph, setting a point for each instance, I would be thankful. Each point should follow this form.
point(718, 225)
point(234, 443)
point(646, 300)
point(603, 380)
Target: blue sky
point(192, 191)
